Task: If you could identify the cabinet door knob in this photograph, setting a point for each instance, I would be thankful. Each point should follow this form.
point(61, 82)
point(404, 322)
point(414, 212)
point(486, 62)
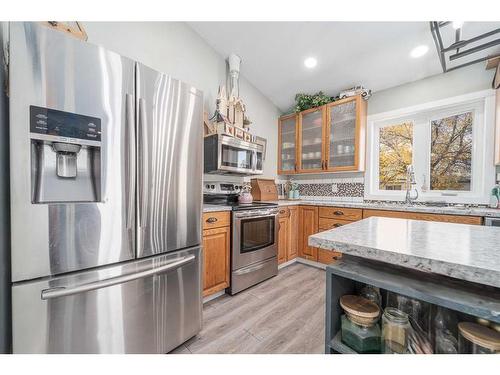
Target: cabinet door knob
point(211, 220)
point(336, 225)
point(338, 213)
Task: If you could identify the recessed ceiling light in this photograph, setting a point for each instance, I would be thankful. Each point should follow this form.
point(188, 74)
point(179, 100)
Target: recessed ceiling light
point(419, 51)
point(310, 62)
point(457, 24)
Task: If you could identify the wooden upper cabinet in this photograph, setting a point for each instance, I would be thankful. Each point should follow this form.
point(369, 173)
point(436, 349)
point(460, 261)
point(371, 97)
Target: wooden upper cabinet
point(345, 135)
point(287, 144)
point(330, 138)
point(311, 140)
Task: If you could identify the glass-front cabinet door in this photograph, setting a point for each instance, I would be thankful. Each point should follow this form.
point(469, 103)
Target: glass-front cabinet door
point(311, 123)
point(287, 162)
point(344, 143)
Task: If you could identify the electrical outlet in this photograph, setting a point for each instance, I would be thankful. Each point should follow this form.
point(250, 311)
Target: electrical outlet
point(335, 188)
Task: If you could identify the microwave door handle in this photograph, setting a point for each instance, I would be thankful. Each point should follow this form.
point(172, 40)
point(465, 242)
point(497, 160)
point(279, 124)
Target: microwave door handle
point(63, 291)
point(254, 159)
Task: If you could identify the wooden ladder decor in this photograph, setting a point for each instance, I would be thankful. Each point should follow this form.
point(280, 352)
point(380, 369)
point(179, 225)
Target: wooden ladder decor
point(74, 29)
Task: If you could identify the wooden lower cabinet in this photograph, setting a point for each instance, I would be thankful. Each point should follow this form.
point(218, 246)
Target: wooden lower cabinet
point(283, 236)
point(327, 256)
point(287, 234)
point(293, 238)
point(216, 264)
point(308, 225)
point(314, 219)
point(460, 219)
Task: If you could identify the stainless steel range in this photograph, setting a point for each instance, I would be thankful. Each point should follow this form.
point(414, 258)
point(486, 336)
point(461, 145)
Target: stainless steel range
point(254, 236)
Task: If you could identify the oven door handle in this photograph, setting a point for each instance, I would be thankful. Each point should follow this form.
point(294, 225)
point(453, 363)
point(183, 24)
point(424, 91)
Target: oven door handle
point(246, 270)
point(255, 217)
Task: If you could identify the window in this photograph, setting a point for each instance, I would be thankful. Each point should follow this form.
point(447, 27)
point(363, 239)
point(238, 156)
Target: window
point(395, 154)
point(448, 143)
point(451, 152)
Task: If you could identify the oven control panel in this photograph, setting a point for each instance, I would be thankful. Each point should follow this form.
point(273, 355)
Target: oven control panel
point(222, 187)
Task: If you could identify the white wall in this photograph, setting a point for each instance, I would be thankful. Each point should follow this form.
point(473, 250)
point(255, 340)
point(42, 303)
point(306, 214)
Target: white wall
point(440, 86)
point(176, 49)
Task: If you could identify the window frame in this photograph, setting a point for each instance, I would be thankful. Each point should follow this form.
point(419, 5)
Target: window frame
point(481, 103)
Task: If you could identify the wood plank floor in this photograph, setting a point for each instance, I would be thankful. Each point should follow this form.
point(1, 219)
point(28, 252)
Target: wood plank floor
point(284, 314)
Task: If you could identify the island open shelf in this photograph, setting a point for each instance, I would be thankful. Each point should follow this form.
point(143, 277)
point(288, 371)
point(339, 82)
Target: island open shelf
point(343, 276)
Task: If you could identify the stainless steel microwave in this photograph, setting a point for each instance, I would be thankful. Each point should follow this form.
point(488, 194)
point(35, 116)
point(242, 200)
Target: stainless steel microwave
point(228, 155)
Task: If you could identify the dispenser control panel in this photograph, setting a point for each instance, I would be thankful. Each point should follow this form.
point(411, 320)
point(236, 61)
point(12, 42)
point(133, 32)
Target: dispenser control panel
point(54, 125)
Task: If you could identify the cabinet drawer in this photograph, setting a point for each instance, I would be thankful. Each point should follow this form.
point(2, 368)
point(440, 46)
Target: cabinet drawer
point(216, 219)
point(341, 213)
point(326, 224)
point(284, 212)
point(327, 257)
point(473, 220)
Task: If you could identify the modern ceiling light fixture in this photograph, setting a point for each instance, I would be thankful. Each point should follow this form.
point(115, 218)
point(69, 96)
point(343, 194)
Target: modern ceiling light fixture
point(310, 62)
point(457, 50)
point(419, 51)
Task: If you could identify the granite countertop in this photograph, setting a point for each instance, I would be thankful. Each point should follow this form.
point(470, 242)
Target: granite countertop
point(466, 252)
point(451, 210)
point(215, 208)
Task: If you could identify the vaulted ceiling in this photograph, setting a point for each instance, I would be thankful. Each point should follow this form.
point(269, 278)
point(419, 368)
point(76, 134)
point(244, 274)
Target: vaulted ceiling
point(373, 54)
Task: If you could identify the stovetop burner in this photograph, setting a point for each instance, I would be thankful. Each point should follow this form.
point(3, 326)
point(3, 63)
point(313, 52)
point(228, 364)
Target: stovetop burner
point(232, 200)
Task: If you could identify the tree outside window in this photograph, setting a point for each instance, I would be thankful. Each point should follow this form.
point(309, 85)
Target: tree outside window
point(395, 154)
point(451, 152)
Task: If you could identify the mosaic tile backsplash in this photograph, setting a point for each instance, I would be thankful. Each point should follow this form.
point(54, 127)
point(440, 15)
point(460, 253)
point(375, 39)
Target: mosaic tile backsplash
point(338, 188)
point(344, 189)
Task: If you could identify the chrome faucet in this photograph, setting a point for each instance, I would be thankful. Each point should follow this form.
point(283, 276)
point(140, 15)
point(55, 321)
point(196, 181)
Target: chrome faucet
point(410, 185)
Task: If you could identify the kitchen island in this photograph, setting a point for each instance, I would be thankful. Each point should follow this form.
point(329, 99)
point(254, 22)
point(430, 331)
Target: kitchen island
point(455, 266)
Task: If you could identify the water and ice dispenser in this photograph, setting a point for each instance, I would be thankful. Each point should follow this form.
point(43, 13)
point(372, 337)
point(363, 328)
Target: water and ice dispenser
point(65, 156)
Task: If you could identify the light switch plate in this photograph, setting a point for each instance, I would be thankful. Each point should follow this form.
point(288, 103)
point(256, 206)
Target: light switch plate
point(335, 188)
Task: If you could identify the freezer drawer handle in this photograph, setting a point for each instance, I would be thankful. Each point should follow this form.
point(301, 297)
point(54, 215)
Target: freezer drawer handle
point(63, 292)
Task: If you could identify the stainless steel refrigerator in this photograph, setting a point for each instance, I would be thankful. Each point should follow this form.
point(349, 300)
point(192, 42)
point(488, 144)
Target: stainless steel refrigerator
point(106, 198)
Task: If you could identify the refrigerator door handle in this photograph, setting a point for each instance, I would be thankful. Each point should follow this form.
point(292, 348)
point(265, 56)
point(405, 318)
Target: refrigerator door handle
point(130, 132)
point(142, 160)
point(63, 291)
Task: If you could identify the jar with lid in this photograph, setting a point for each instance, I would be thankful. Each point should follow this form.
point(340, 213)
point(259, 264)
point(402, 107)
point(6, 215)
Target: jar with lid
point(359, 328)
point(475, 338)
point(371, 293)
point(395, 329)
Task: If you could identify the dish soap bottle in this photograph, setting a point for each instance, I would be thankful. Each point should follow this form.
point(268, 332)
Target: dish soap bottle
point(495, 196)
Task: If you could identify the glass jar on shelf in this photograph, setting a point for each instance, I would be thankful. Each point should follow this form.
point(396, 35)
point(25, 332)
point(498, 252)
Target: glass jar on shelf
point(475, 338)
point(445, 331)
point(395, 330)
point(359, 326)
point(371, 293)
point(419, 310)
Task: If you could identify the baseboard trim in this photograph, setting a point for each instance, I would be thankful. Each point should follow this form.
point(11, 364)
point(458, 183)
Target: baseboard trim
point(213, 296)
point(282, 265)
point(312, 263)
